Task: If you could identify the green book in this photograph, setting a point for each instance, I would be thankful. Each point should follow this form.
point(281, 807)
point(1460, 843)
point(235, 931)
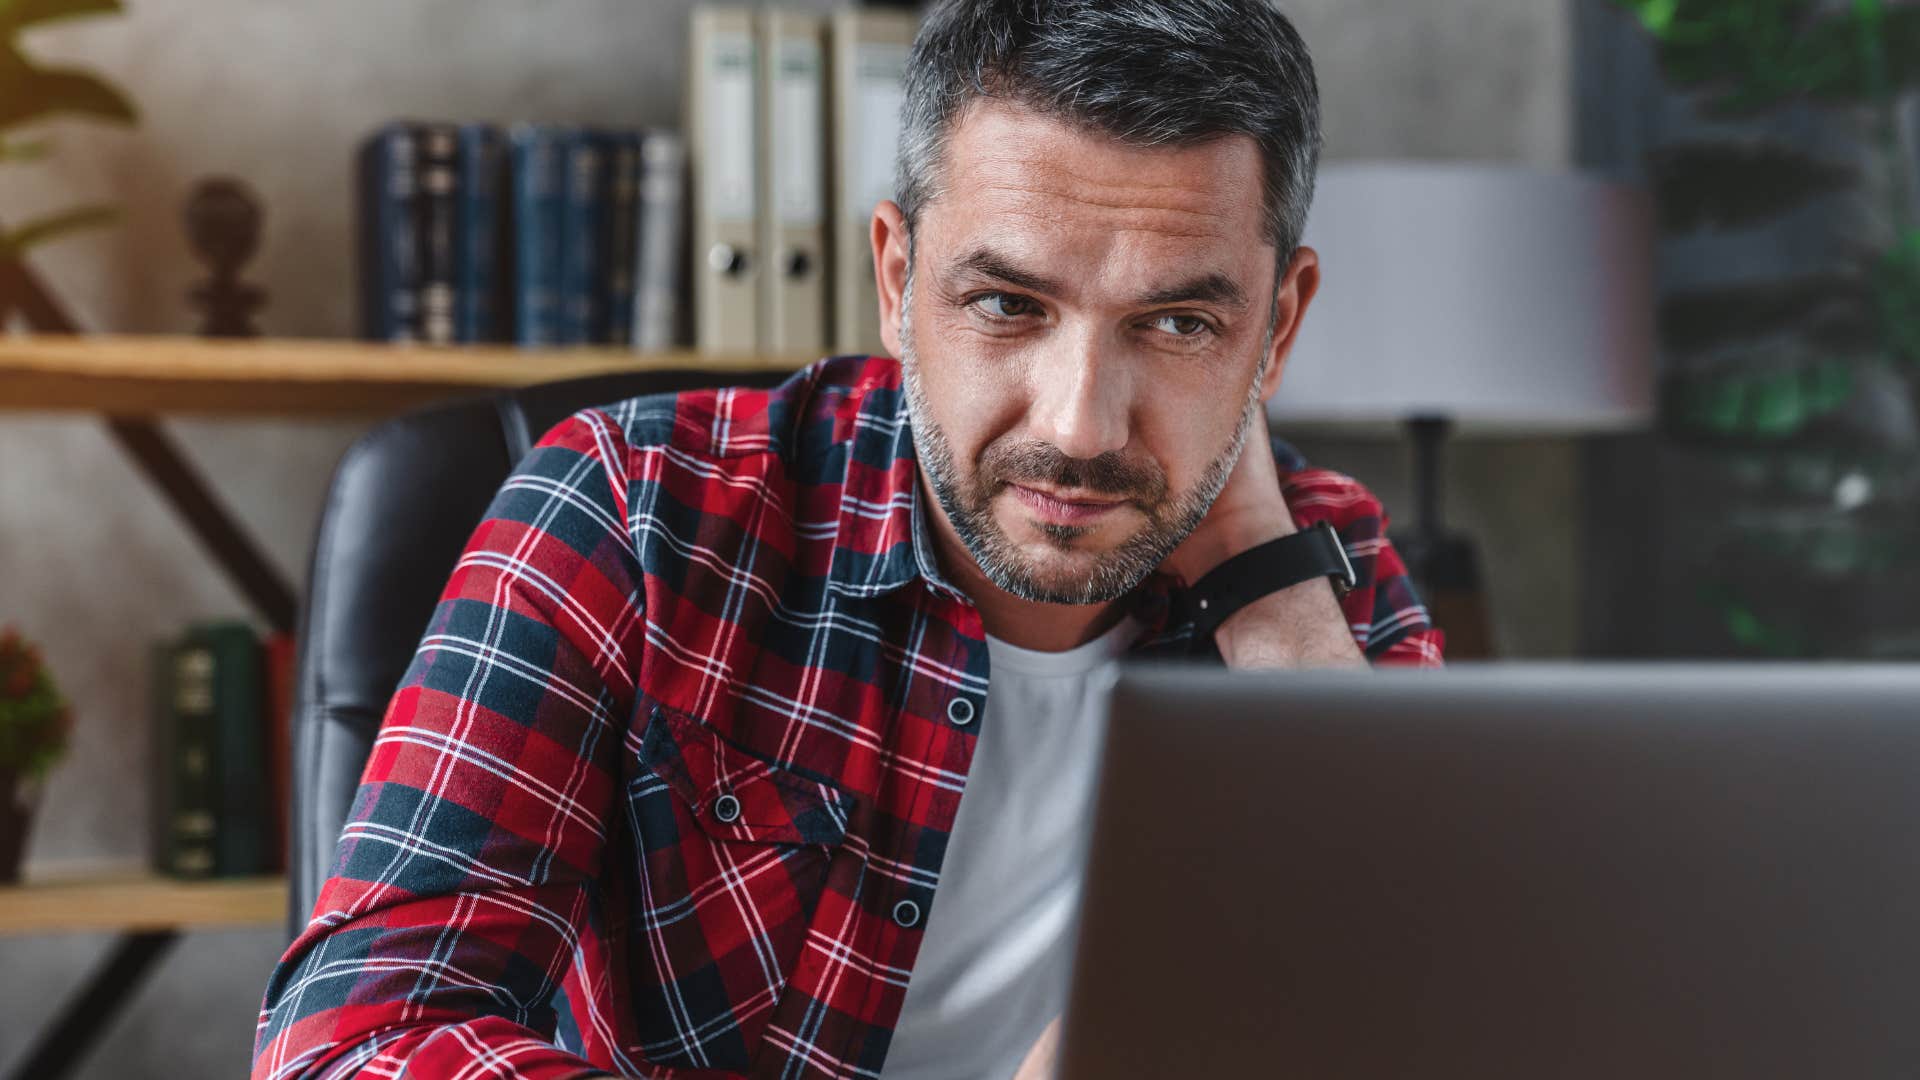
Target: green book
point(183, 685)
point(235, 705)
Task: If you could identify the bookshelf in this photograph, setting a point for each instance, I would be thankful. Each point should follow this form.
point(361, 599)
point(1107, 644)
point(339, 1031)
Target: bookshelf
point(130, 382)
point(140, 902)
point(134, 375)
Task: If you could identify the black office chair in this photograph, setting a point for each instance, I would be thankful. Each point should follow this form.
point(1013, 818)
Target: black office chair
point(402, 503)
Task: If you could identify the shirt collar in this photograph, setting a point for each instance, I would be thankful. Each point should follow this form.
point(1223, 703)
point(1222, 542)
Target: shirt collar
point(885, 539)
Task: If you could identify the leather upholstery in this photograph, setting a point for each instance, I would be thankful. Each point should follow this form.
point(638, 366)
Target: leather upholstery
point(402, 504)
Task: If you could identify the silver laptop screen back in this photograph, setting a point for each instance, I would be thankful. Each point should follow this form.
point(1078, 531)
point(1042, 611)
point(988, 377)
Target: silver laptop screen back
point(1573, 872)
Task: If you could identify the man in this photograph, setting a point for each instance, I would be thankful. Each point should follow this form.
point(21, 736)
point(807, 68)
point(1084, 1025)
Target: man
point(675, 779)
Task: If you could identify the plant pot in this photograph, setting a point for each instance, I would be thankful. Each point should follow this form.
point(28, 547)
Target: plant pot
point(18, 797)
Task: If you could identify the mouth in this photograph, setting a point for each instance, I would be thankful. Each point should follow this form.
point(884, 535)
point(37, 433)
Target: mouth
point(1065, 509)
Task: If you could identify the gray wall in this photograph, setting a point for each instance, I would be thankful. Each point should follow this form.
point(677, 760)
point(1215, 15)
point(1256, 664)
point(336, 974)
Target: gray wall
point(276, 92)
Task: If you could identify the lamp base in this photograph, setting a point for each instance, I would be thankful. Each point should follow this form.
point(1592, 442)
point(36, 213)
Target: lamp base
point(1446, 570)
point(1444, 565)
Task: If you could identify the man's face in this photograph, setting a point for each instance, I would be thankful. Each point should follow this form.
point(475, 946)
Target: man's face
point(1084, 328)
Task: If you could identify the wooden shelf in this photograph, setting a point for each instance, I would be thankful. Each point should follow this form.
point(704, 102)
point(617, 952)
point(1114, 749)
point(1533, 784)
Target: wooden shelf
point(141, 902)
point(133, 375)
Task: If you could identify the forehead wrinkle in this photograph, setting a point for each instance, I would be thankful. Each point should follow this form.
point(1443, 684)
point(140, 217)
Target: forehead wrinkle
point(1016, 201)
point(1106, 196)
point(1160, 230)
point(1027, 167)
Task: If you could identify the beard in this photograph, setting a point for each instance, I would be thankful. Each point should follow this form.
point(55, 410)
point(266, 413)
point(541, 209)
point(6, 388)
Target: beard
point(967, 498)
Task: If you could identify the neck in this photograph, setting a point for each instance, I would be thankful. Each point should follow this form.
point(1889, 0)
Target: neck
point(1030, 624)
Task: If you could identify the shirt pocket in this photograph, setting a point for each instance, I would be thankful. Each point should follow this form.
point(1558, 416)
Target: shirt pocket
point(733, 850)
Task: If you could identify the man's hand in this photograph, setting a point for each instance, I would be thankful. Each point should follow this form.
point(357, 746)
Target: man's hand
point(1040, 1062)
point(1301, 626)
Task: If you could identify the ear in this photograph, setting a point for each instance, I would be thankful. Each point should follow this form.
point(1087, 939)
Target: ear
point(890, 269)
point(1295, 291)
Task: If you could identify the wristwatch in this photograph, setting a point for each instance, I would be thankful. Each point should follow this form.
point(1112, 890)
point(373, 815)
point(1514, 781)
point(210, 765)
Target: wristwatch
point(1260, 571)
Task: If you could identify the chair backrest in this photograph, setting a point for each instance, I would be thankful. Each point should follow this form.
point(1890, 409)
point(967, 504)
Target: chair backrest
point(402, 504)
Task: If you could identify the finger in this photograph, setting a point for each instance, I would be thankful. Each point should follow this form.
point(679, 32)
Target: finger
point(1039, 1062)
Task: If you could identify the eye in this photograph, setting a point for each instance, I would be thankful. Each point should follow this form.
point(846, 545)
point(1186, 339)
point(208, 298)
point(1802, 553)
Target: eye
point(1005, 305)
point(1181, 326)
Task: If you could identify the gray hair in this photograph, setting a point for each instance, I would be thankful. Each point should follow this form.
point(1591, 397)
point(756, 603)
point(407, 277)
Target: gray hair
point(1146, 72)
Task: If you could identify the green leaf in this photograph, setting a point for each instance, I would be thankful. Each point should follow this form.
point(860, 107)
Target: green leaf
point(16, 14)
point(1745, 627)
point(1833, 310)
point(25, 150)
point(1656, 15)
point(1777, 409)
point(1746, 56)
point(1845, 57)
point(1736, 46)
point(1714, 406)
point(1729, 185)
point(1826, 386)
point(1896, 289)
point(39, 232)
point(28, 93)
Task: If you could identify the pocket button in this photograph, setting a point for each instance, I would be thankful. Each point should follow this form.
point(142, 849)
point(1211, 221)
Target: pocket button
point(960, 711)
point(906, 913)
point(726, 809)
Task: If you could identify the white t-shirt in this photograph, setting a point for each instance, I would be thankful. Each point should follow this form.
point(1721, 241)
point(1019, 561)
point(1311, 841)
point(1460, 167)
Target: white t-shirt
point(992, 971)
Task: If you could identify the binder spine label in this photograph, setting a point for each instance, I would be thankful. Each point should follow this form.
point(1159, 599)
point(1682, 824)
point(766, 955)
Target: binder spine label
point(799, 181)
point(729, 182)
point(872, 125)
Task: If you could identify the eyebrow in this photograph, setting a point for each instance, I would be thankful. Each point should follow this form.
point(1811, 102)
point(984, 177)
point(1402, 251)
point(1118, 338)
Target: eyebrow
point(1214, 288)
point(990, 264)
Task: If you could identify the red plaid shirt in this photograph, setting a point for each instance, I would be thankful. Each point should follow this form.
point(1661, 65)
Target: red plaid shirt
point(668, 782)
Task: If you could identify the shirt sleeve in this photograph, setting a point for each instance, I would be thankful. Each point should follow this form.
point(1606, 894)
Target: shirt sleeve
point(465, 876)
point(1389, 623)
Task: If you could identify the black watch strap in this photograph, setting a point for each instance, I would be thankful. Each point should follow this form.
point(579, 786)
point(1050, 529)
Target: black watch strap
point(1259, 571)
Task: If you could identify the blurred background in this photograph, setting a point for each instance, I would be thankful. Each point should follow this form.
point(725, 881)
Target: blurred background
point(1722, 464)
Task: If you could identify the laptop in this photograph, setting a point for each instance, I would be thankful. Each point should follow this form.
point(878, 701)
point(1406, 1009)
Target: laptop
point(1504, 871)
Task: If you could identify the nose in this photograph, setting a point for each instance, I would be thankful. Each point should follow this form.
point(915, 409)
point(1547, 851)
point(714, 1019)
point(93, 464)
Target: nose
point(1081, 395)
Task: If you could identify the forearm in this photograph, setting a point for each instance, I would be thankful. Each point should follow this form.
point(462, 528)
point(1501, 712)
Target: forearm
point(1298, 627)
point(1301, 626)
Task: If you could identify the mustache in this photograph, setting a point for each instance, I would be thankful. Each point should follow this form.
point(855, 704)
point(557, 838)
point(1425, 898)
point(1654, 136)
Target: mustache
point(1110, 474)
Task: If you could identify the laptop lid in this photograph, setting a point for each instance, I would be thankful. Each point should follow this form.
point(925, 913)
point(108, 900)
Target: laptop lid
point(1593, 871)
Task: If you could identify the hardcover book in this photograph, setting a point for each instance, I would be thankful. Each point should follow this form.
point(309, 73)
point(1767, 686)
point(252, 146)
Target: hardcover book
point(538, 185)
point(388, 205)
point(439, 148)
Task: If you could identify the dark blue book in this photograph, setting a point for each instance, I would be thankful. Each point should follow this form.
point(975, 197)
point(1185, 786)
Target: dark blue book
point(478, 236)
point(537, 187)
point(439, 168)
point(389, 194)
point(622, 234)
point(583, 211)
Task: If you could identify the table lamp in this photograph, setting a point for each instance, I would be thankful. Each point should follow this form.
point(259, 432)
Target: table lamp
point(1498, 298)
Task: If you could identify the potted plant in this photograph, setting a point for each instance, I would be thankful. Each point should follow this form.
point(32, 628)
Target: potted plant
point(35, 723)
point(1793, 382)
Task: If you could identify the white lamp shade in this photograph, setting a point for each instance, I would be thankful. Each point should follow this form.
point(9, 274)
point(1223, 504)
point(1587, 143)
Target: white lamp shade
point(1497, 296)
